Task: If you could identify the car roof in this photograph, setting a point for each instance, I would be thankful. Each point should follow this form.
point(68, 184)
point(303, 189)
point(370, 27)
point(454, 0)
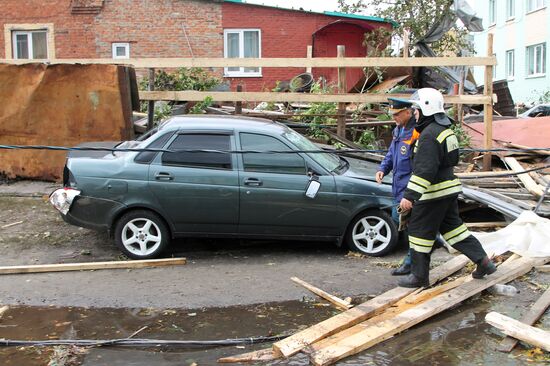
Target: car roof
point(222, 122)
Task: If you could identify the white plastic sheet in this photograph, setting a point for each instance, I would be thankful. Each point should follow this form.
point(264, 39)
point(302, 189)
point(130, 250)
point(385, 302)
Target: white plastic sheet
point(528, 235)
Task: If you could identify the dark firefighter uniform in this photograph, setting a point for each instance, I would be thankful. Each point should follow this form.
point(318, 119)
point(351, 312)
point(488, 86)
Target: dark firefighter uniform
point(434, 189)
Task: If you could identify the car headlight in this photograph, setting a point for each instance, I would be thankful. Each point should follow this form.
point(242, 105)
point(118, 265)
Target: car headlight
point(62, 199)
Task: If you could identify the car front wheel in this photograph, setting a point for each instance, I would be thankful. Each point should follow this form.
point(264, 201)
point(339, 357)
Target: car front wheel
point(141, 234)
point(373, 233)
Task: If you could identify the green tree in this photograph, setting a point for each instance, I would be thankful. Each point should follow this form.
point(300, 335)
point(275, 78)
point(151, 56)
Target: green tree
point(416, 17)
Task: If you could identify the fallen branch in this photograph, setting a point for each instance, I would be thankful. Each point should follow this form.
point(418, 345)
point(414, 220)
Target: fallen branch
point(12, 224)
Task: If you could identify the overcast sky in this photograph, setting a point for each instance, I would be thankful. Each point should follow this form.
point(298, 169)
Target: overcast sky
point(315, 5)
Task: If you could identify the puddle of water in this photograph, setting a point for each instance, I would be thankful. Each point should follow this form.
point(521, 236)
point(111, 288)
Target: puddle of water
point(456, 337)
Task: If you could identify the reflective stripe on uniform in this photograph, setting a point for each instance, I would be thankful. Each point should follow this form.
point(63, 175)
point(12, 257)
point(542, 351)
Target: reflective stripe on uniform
point(442, 189)
point(415, 187)
point(442, 193)
point(443, 135)
point(420, 181)
point(420, 245)
point(457, 235)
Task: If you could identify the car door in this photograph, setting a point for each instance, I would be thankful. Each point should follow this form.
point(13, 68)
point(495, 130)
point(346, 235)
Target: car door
point(272, 192)
point(199, 191)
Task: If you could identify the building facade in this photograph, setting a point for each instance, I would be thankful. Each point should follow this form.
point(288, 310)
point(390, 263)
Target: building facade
point(521, 30)
point(119, 29)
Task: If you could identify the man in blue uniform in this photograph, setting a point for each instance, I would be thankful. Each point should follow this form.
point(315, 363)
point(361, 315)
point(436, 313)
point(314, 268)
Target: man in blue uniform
point(398, 161)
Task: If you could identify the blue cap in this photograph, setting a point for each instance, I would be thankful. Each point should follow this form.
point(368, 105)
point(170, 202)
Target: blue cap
point(397, 105)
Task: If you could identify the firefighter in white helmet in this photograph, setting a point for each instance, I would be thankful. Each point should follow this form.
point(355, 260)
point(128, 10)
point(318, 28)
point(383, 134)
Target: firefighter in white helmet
point(432, 193)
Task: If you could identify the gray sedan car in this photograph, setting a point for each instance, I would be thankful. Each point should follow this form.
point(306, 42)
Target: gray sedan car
point(146, 199)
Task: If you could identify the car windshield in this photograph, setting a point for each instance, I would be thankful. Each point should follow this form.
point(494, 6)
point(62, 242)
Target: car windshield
point(328, 161)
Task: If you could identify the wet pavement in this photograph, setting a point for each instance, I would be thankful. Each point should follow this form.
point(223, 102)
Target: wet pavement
point(456, 337)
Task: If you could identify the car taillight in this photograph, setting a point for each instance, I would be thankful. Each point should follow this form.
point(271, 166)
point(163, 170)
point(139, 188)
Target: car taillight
point(62, 199)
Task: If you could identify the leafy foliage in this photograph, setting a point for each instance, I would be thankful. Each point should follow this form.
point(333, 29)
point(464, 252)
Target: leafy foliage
point(200, 107)
point(315, 115)
point(415, 16)
point(194, 78)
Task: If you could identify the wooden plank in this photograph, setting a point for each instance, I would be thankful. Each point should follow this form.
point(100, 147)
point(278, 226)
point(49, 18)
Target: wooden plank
point(309, 53)
point(527, 181)
point(262, 355)
point(543, 268)
point(488, 108)
point(293, 344)
point(339, 303)
point(196, 96)
point(275, 62)
point(3, 309)
point(63, 267)
point(518, 330)
point(541, 152)
point(485, 225)
point(341, 120)
point(399, 307)
point(151, 103)
point(534, 314)
point(383, 330)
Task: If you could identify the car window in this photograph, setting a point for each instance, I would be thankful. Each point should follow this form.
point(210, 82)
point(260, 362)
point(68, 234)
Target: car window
point(199, 159)
point(266, 162)
point(326, 160)
point(146, 157)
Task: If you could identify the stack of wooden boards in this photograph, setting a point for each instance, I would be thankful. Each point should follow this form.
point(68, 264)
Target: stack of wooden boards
point(384, 316)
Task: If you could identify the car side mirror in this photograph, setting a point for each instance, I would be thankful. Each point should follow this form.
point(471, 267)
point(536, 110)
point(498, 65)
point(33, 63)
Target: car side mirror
point(313, 187)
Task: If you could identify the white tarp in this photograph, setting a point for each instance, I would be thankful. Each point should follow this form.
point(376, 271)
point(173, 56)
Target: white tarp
point(528, 235)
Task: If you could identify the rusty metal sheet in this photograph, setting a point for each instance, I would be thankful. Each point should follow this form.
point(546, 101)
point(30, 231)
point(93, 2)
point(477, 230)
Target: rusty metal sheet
point(61, 105)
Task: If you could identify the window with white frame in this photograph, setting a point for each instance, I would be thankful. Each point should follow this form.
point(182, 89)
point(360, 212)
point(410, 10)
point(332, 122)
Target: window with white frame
point(510, 60)
point(121, 50)
point(242, 43)
point(533, 5)
point(30, 44)
point(510, 9)
point(492, 11)
point(536, 59)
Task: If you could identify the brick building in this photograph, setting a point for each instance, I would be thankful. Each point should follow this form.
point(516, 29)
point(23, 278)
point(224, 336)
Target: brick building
point(181, 28)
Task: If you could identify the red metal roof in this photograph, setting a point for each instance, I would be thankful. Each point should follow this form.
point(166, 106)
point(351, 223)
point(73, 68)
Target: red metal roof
point(532, 132)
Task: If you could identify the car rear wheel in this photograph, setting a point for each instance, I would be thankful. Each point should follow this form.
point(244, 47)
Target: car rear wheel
point(373, 233)
point(141, 234)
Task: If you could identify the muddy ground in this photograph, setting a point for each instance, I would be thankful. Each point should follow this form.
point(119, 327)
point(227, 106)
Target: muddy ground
point(229, 288)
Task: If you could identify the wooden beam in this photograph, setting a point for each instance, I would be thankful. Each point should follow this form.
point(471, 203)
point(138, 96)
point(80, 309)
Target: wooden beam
point(309, 55)
point(339, 303)
point(543, 269)
point(296, 342)
point(541, 152)
point(341, 120)
point(527, 181)
point(383, 330)
point(275, 62)
point(196, 96)
point(40, 268)
point(488, 108)
point(534, 314)
point(518, 330)
point(151, 103)
point(485, 225)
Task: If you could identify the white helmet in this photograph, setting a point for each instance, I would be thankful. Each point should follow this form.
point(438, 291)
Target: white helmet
point(429, 100)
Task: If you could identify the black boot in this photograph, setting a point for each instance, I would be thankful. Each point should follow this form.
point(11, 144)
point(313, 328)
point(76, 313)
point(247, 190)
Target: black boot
point(403, 270)
point(405, 267)
point(420, 271)
point(484, 267)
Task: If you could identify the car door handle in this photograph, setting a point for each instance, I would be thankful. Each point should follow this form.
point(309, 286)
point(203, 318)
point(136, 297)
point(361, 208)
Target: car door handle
point(254, 182)
point(163, 176)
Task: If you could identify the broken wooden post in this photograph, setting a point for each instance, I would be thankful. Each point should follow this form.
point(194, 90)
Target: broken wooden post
point(518, 330)
point(239, 104)
point(460, 107)
point(534, 314)
point(488, 108)
point(309, 55)
point(151, 104)
point(341, 121)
